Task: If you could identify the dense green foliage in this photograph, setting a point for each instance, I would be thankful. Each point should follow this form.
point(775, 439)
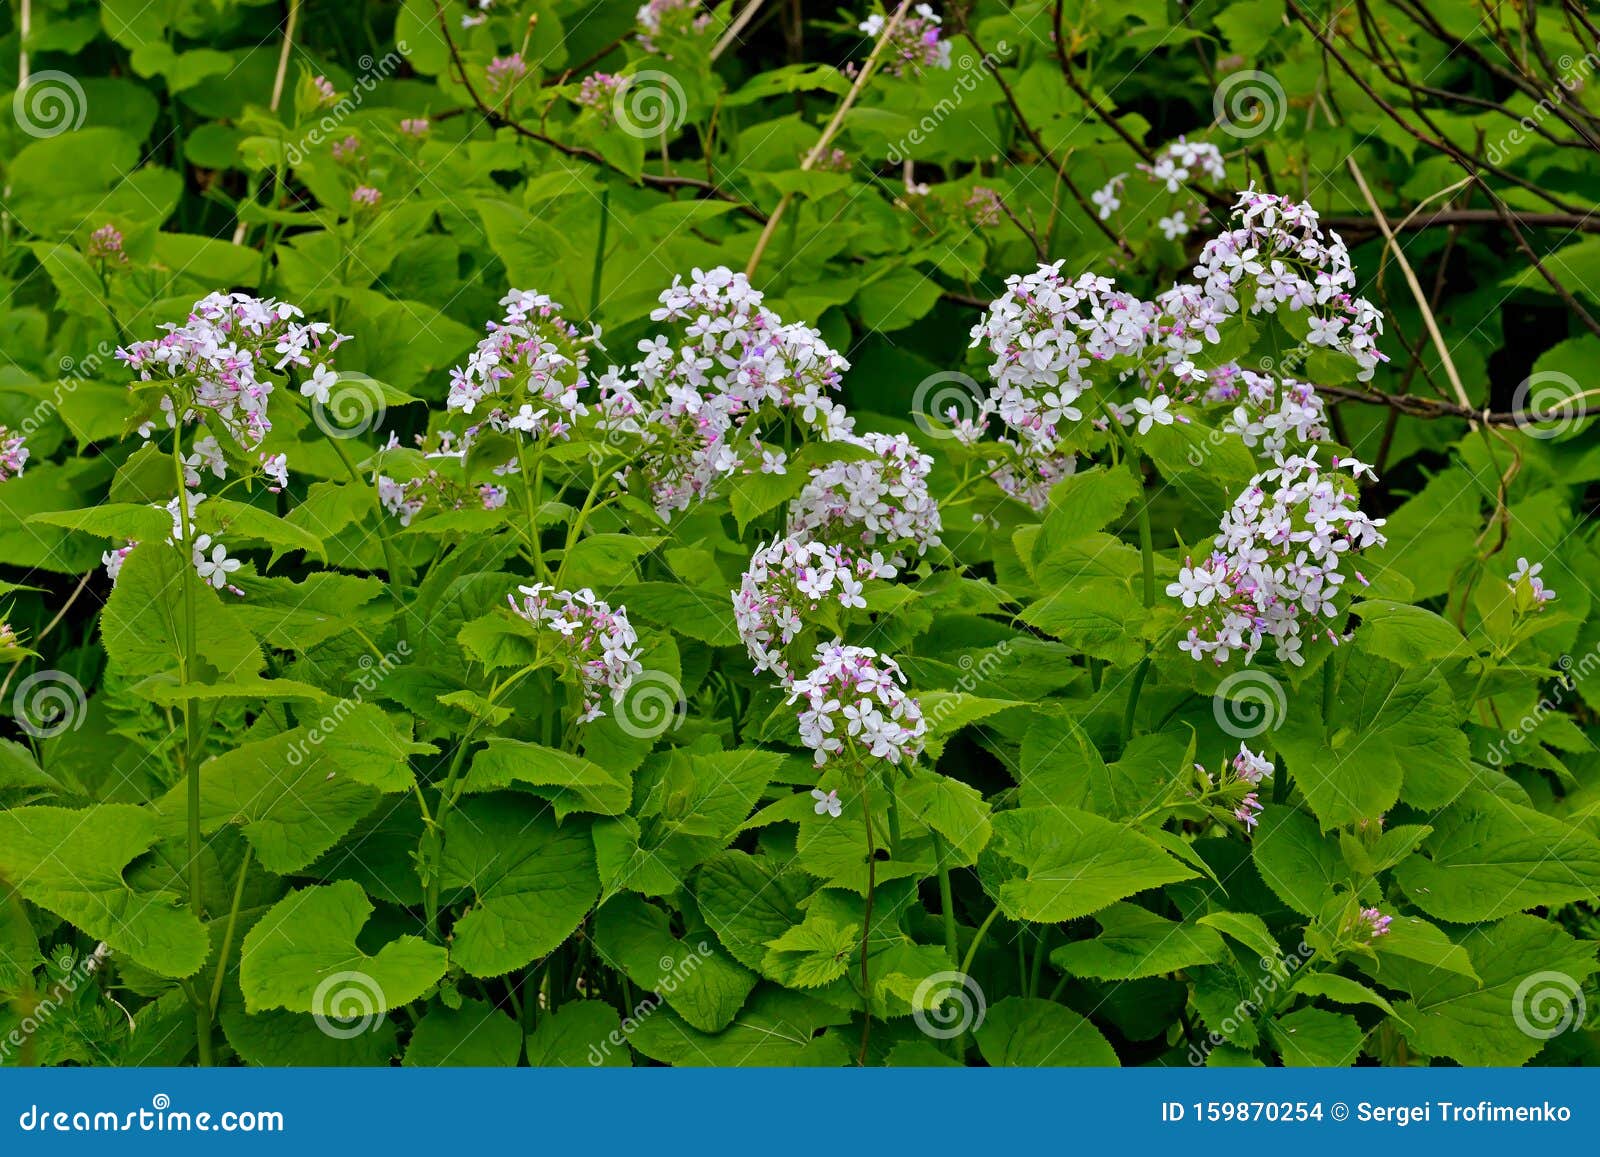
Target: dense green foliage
point(501, 702)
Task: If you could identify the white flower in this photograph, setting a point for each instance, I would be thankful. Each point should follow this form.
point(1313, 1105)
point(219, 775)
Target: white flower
point(215, 569)
point(322, 381)
point(827, 802)
point(1155, 411)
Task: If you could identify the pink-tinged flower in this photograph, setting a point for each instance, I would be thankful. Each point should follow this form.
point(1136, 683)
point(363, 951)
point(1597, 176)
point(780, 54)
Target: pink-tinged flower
point(346, 149)
point(598, 92)
point(415, 127)
point(505, 71)
point(601, 648)
point(1247, 811)
point(325, 90)
point(1538, 593)
point(1375, 922)
point(827, 802)
point(366, 195)
point(105, 246)
point(13, 454)
point(1251, 767)
point(853, 697)
point(917, 44)
point(984, 205)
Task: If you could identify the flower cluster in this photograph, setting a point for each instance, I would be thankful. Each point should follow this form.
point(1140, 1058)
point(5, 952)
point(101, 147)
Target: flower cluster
point(598, 92)
point(854, 695)
point(222, 356)
point(1275, 572)
point(883, 499)
point(1373, 922)
point(13, 454)
point(661, 20)
point(1045, 333)
point(1172, 168)
point(917, 44)
point(529, 370)
point(1526, 579)
point(598, 643)
point(1267, 412)
point(504, 72)
point(792, 576)
point(1277, 255)
point(696, 407)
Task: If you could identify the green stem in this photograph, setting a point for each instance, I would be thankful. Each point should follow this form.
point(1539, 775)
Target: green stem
point(977, 939)
point(233, 924)
point(191, 739)
point(866, 930)
point(952, 941)
point(599, 253)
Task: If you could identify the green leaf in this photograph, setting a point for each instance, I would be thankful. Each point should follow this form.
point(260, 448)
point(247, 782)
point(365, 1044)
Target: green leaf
point(696, 980)
point(812, 953)
point(1315, 1037)
point(474, 1035)
point(776, 1028)
point(143, 625)
point(1488, 857)
point(580, 1033)
point(532, 882)
point(748, 902)
point(302, 956)
point(298, 793)
point(953, 809)
point(1076, 863)
point(1529, 969)
point(1296, 860)
point(1340, 990)
point(1135, 943)
point(570, 782)
point(72, 863)
point(1388, 725)
point(1020, 1032)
